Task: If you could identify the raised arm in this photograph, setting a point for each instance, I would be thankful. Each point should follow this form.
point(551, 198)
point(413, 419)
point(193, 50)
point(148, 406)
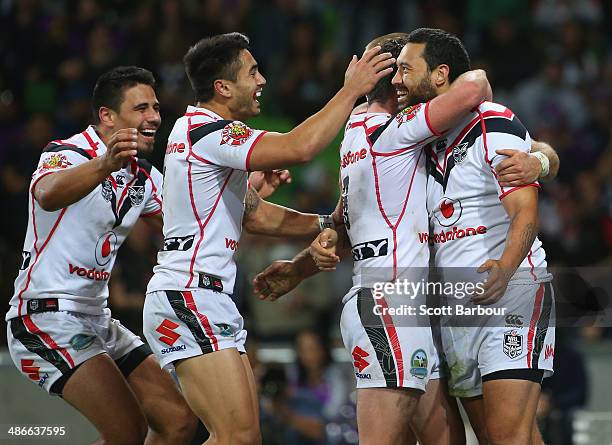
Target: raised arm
point(65, 187)
point(278, 150)
point(464, 94)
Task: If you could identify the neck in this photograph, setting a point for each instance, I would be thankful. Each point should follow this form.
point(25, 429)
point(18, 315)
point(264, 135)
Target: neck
point(389, 106)
point(104, 133)
point(443, 89)
point(220, 108)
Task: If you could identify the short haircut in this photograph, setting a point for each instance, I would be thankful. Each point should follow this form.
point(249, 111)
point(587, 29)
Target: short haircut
point(111, 85)
point(213, 58)
point(442, 48)
point(390, 43)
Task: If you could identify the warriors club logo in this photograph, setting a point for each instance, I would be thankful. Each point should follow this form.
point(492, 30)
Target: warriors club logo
point(235, 133)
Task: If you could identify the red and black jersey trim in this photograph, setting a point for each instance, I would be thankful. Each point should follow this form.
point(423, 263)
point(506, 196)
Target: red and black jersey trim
point(494, 124)
point(34, 344)
point(144, 173)
point(197, 133)
point(51, 148)
point(375, 330)
point(190, 319)
point(376, 134)
point(542, 325)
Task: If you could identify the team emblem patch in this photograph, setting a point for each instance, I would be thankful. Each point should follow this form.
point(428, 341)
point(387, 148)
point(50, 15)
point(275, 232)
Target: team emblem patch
point(236, 133)
point(226, 330)
point(407, 114)
point(418, 364)
point(54, 162)
point(513, 344)
point(81, 341)
point(460, 152)
point(107, 190)
point(136, 194)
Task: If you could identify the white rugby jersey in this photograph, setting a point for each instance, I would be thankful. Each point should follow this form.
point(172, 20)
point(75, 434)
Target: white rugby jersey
point(69, 253)
point(383, 180)
point(468, 218)
point(205, 170)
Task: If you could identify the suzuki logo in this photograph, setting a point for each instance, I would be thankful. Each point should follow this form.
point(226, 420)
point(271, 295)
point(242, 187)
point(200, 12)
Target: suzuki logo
point(27, 367)
point(166, 329)
point(359, 361)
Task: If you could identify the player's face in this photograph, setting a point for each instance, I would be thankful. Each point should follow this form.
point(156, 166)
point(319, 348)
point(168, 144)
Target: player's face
point(139, 109)
point(413, 78)
point(247, 88)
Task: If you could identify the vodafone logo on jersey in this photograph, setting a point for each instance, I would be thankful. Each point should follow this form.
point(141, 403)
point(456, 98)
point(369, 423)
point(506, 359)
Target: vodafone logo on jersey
point(106, 248)
point(351, 158)
point(450, 212)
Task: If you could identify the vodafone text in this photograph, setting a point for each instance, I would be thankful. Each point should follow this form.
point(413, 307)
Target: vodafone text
point(351, 158)
point(451, 234)
point(92, 274)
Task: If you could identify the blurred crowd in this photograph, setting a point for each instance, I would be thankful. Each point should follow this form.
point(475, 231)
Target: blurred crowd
point(550, 61)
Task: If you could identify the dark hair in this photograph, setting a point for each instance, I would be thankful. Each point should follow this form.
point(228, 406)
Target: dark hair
point(213, 58)
point(442, 47)
point(391, 43)
point(111, 85)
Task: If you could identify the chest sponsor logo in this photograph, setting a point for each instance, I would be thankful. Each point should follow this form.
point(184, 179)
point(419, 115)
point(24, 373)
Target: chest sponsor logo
point(370, 249)
point(352, 158)
point(231, 244)
point(235, 133)
point(178, 243)
point(91, 274)
point(106, 248)
point(25, 259)
point(450, 210)
point(407, 114)
point(451, 234)
point(175, 147)
point(136, 194)
point(513, 344)
point(81, 341)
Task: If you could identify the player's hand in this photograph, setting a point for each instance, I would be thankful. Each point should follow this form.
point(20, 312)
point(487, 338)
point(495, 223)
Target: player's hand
point(323, 250)
point(266, 182)
point(518, 169)
point(495, 284)
point(276, 280)
point(363, 74)
point(120, 149)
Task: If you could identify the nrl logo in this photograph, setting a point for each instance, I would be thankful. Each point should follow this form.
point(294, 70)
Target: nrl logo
point(136, 194)
point(460, 152)
point(407, 114)
point(235, 133)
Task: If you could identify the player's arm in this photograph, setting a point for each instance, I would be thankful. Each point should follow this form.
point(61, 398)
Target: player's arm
point(278, 150)
point(524, 168)
point(63, 188)
point(522, 207)
point(156, 221)
point(265, 218)
point(464, 94)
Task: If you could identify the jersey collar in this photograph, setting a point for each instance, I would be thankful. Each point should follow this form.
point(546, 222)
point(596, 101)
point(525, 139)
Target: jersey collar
point(201, 111)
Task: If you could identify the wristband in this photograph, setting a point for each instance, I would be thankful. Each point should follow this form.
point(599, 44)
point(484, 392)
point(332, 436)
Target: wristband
point(326, 222)
point(544, 162)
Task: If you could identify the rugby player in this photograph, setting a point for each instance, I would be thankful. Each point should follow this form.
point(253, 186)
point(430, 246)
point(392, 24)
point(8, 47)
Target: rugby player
point(190, 320)
point(86, 194)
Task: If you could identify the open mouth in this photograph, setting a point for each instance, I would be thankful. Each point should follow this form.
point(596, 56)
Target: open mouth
point(149, 134)
point(257, 95)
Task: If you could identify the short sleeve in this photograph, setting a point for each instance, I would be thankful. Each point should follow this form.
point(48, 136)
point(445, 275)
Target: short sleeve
point(504, 133)
point(225, 143)
point(153, 206)
point(57, 158)
point(410, 128)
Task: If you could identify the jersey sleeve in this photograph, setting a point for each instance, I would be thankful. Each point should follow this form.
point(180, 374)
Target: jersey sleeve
point(504, 133)
point(57, 157)
point(225, 143)
point(410, 128)
point(153, 205)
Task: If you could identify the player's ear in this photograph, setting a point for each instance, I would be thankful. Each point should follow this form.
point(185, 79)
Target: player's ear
point(222, 88)
point(106, 116)
point(440, 75)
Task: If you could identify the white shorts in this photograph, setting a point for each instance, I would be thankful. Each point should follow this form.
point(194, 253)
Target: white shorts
point(46, 346)
point(183, 324)
point(522, 339)
point(386, 352)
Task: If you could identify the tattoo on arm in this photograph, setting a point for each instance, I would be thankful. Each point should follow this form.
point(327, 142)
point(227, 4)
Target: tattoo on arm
point(528, 235)
point(251, 201)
